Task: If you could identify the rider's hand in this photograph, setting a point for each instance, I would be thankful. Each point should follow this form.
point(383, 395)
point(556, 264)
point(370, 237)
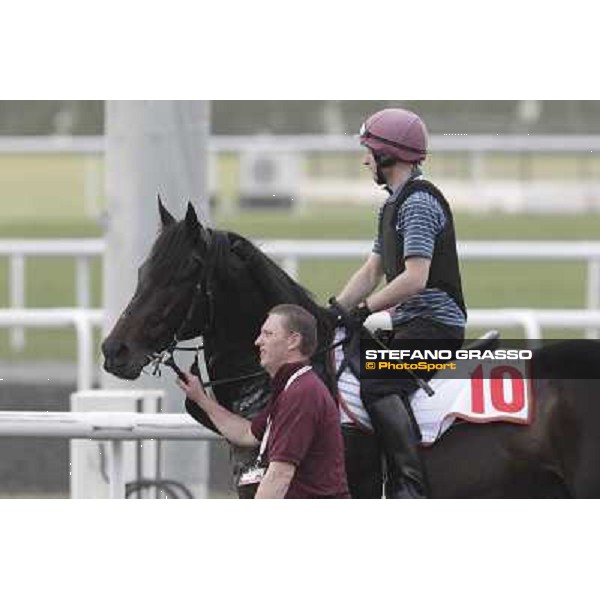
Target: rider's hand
point(358, 315)
point(353, 319)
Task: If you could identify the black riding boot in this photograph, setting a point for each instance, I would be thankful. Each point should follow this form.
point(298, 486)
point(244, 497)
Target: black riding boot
point(395, 430)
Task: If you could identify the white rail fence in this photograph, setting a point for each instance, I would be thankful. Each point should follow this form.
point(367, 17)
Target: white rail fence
point(290, 252)
point(83, 251)
point(119, 427)
point(84, 320)
point(116, 427)
point(95, 145)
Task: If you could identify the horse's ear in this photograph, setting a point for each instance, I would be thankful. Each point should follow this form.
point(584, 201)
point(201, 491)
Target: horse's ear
point(192, 225)
point(166, 218)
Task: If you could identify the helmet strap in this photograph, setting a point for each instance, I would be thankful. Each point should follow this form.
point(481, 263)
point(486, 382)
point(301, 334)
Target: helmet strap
point(382, 161)
point(416, 171)
point(380, 178)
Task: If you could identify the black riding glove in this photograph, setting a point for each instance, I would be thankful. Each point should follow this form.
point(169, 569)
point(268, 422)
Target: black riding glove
point(358, 315)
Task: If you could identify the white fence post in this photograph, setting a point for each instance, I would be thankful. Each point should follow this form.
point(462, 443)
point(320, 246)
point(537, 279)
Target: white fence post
point(117, 473)
point(117, 427)
point(85, 361)
point(17, 297)
point(593, 291)
point(83, 281)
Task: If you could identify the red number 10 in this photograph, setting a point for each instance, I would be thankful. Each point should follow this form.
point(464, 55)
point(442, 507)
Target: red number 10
point(496, 379)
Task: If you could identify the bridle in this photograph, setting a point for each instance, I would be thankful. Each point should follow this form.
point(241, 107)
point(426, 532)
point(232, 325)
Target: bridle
point(203, 302)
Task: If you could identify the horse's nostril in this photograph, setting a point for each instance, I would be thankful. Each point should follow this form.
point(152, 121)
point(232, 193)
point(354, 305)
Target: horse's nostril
point(113, 349)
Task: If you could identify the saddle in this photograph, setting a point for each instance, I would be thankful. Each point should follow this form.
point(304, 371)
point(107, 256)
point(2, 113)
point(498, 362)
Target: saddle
point(351, 346)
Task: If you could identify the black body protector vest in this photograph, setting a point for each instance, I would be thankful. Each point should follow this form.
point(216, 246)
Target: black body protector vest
point(444, 273)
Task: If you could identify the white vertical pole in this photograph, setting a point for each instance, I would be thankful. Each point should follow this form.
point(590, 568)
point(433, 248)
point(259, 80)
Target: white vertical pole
point(153, 147)
point(91, 186)
point(85, 360)
point(83, 281)
point(17, 297)
point(593, 291)
point(116, 473)
point(533, 331)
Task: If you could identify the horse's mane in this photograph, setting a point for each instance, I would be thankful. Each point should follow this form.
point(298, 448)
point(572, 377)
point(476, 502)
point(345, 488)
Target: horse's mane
point(283, 289)
point(173, 246)
point(273, 278)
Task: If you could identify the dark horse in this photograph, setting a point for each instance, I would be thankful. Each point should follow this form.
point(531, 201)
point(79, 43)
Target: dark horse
point(217, 284)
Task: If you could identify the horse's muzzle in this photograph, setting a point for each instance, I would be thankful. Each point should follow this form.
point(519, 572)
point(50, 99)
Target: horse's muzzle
point(118, 360)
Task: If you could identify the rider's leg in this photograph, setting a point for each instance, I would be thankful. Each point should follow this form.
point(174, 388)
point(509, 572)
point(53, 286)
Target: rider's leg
point(394, 427)
point(388, 406)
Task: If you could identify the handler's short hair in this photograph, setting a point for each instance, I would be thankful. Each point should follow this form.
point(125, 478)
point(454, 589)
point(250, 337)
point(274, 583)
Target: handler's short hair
point(299, 320)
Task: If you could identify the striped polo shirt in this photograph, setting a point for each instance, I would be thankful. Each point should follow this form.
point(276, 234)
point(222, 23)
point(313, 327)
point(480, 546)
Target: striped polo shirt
point(420, 220)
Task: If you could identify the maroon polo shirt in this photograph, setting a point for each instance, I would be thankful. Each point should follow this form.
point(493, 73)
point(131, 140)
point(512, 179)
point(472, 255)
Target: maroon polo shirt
point(306, 432)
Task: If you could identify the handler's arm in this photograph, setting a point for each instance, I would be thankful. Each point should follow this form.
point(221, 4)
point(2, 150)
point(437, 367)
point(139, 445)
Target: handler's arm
point(410, 282)
point(276, 481)
point(235, 428)
point(362, 283)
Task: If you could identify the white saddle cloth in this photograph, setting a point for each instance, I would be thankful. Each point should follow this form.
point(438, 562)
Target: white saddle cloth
point(480, 401)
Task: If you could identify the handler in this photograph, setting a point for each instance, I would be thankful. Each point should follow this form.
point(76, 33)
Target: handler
point(301, 447)
point(415, 249)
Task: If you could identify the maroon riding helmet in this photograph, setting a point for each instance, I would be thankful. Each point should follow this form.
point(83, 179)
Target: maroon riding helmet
point(397, 133)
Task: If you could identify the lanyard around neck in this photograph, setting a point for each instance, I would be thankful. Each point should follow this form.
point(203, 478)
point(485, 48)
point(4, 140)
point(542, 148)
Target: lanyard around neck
point(263, 443)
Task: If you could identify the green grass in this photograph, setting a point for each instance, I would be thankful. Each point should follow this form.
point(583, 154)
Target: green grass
point(358, 222)
point(48, 187)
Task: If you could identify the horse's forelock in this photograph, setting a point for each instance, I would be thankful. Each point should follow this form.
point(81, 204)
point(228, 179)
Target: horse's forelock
point(170, 251)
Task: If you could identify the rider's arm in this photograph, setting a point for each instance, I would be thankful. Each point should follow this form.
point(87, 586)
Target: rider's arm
point(420, 220)
point(410, 282)
point(362, 283)
point(235, 428)
point(276, 481)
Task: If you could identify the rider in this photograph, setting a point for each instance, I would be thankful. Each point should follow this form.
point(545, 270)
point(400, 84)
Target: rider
point(415, 249)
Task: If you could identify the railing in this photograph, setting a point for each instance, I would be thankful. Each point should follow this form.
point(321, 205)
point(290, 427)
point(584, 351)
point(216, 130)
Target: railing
point(532, 320)
point(83, 320)
point(117, 427)
point(82, 250)
point(315, 143)
point(290, 252)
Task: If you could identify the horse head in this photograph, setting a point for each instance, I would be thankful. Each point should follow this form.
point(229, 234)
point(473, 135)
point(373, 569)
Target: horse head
point(199, 281)
point(195, 281)
point(159, 308)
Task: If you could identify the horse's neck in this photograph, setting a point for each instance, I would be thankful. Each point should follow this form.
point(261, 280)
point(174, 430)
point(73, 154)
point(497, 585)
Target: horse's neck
point(229, 360)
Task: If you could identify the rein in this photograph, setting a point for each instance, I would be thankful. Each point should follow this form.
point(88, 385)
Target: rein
point(167, 358)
